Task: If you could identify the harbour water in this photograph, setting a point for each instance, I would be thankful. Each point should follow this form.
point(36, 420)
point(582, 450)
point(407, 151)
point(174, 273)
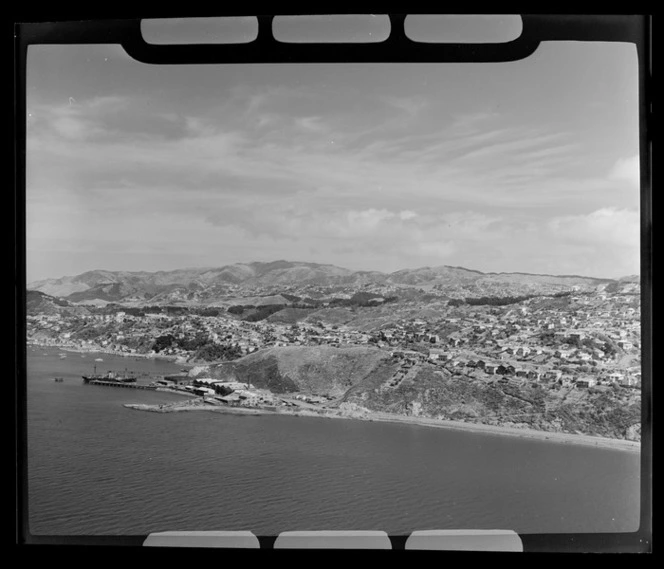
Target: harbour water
point(98, 468)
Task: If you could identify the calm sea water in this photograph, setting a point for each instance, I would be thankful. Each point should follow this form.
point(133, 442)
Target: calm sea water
point(98, 468)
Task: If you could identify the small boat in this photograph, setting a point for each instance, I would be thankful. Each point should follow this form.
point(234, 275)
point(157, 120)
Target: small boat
point(99, 360)
point(62, 356)
point(58, 379)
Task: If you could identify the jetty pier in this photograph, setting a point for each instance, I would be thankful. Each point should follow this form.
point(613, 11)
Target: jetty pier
point(120, 384)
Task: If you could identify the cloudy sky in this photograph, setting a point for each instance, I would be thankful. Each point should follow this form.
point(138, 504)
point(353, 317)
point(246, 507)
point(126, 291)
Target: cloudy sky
point(529, 166)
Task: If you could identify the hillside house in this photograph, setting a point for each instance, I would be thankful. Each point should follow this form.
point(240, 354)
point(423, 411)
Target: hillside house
point(506, 369)
point(585, 381)
point(598, 354)
point(552, 375)
point(415, 356)
point(436, 355)
point(629, 381)
point(490, 368)
point(454, 340)
point(533, 375)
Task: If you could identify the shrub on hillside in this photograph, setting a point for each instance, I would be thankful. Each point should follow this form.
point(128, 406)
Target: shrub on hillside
point(262, 312)
point(163, 342)
point(217, 352)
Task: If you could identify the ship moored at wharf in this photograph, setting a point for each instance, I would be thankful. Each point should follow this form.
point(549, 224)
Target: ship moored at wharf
point(110, 377)
point(121, 384)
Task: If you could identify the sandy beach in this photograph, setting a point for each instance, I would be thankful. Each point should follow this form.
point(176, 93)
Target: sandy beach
point(566, 438)
point(561, 438)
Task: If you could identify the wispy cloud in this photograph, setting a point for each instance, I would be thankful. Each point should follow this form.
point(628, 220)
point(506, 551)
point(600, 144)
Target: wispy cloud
point(305, 157)
point(510, 147)
point(73, 120)
point(311, 124)
point(413, 106)
point(291, 160)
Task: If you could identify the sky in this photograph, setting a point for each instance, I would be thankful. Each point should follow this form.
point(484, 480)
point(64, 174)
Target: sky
point(528, 166)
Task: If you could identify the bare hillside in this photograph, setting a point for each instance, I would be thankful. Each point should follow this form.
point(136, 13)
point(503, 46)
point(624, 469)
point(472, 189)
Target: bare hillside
point(319, 370)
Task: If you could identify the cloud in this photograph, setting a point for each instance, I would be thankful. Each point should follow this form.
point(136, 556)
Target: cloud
point(78, 120)
point(438, 250)
point(511, 148)
point(412, 105)
point(606, 227)
point(73, 120)
point(468, 223)
point(405, 215)
point(473, 122)
point(627, 169)
point(197, 128)
point(109, 141)
point(256, 166)
point(367, 220)
point(72, 128)
point(311, 124)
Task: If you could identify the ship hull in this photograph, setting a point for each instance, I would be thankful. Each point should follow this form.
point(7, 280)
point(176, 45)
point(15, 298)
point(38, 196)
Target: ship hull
point(89, 378)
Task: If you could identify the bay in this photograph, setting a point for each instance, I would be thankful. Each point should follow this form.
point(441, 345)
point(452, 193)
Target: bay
point(98, 468)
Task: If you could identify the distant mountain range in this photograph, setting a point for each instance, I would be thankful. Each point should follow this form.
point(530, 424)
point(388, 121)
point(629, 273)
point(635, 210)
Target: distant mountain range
point(206, 284)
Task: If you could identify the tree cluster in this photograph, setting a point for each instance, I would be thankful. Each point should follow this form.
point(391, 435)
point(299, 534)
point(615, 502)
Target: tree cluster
point(217, 352)
point(498, 300)
point(255, 313)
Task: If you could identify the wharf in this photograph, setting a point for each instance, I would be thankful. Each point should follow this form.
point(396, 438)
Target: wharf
point(120, 384)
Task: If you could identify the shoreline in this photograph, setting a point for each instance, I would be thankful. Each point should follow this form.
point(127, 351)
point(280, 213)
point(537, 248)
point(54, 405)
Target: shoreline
point(497, 430)
point(554, 437)
point(360, 414)
point(100, 350)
